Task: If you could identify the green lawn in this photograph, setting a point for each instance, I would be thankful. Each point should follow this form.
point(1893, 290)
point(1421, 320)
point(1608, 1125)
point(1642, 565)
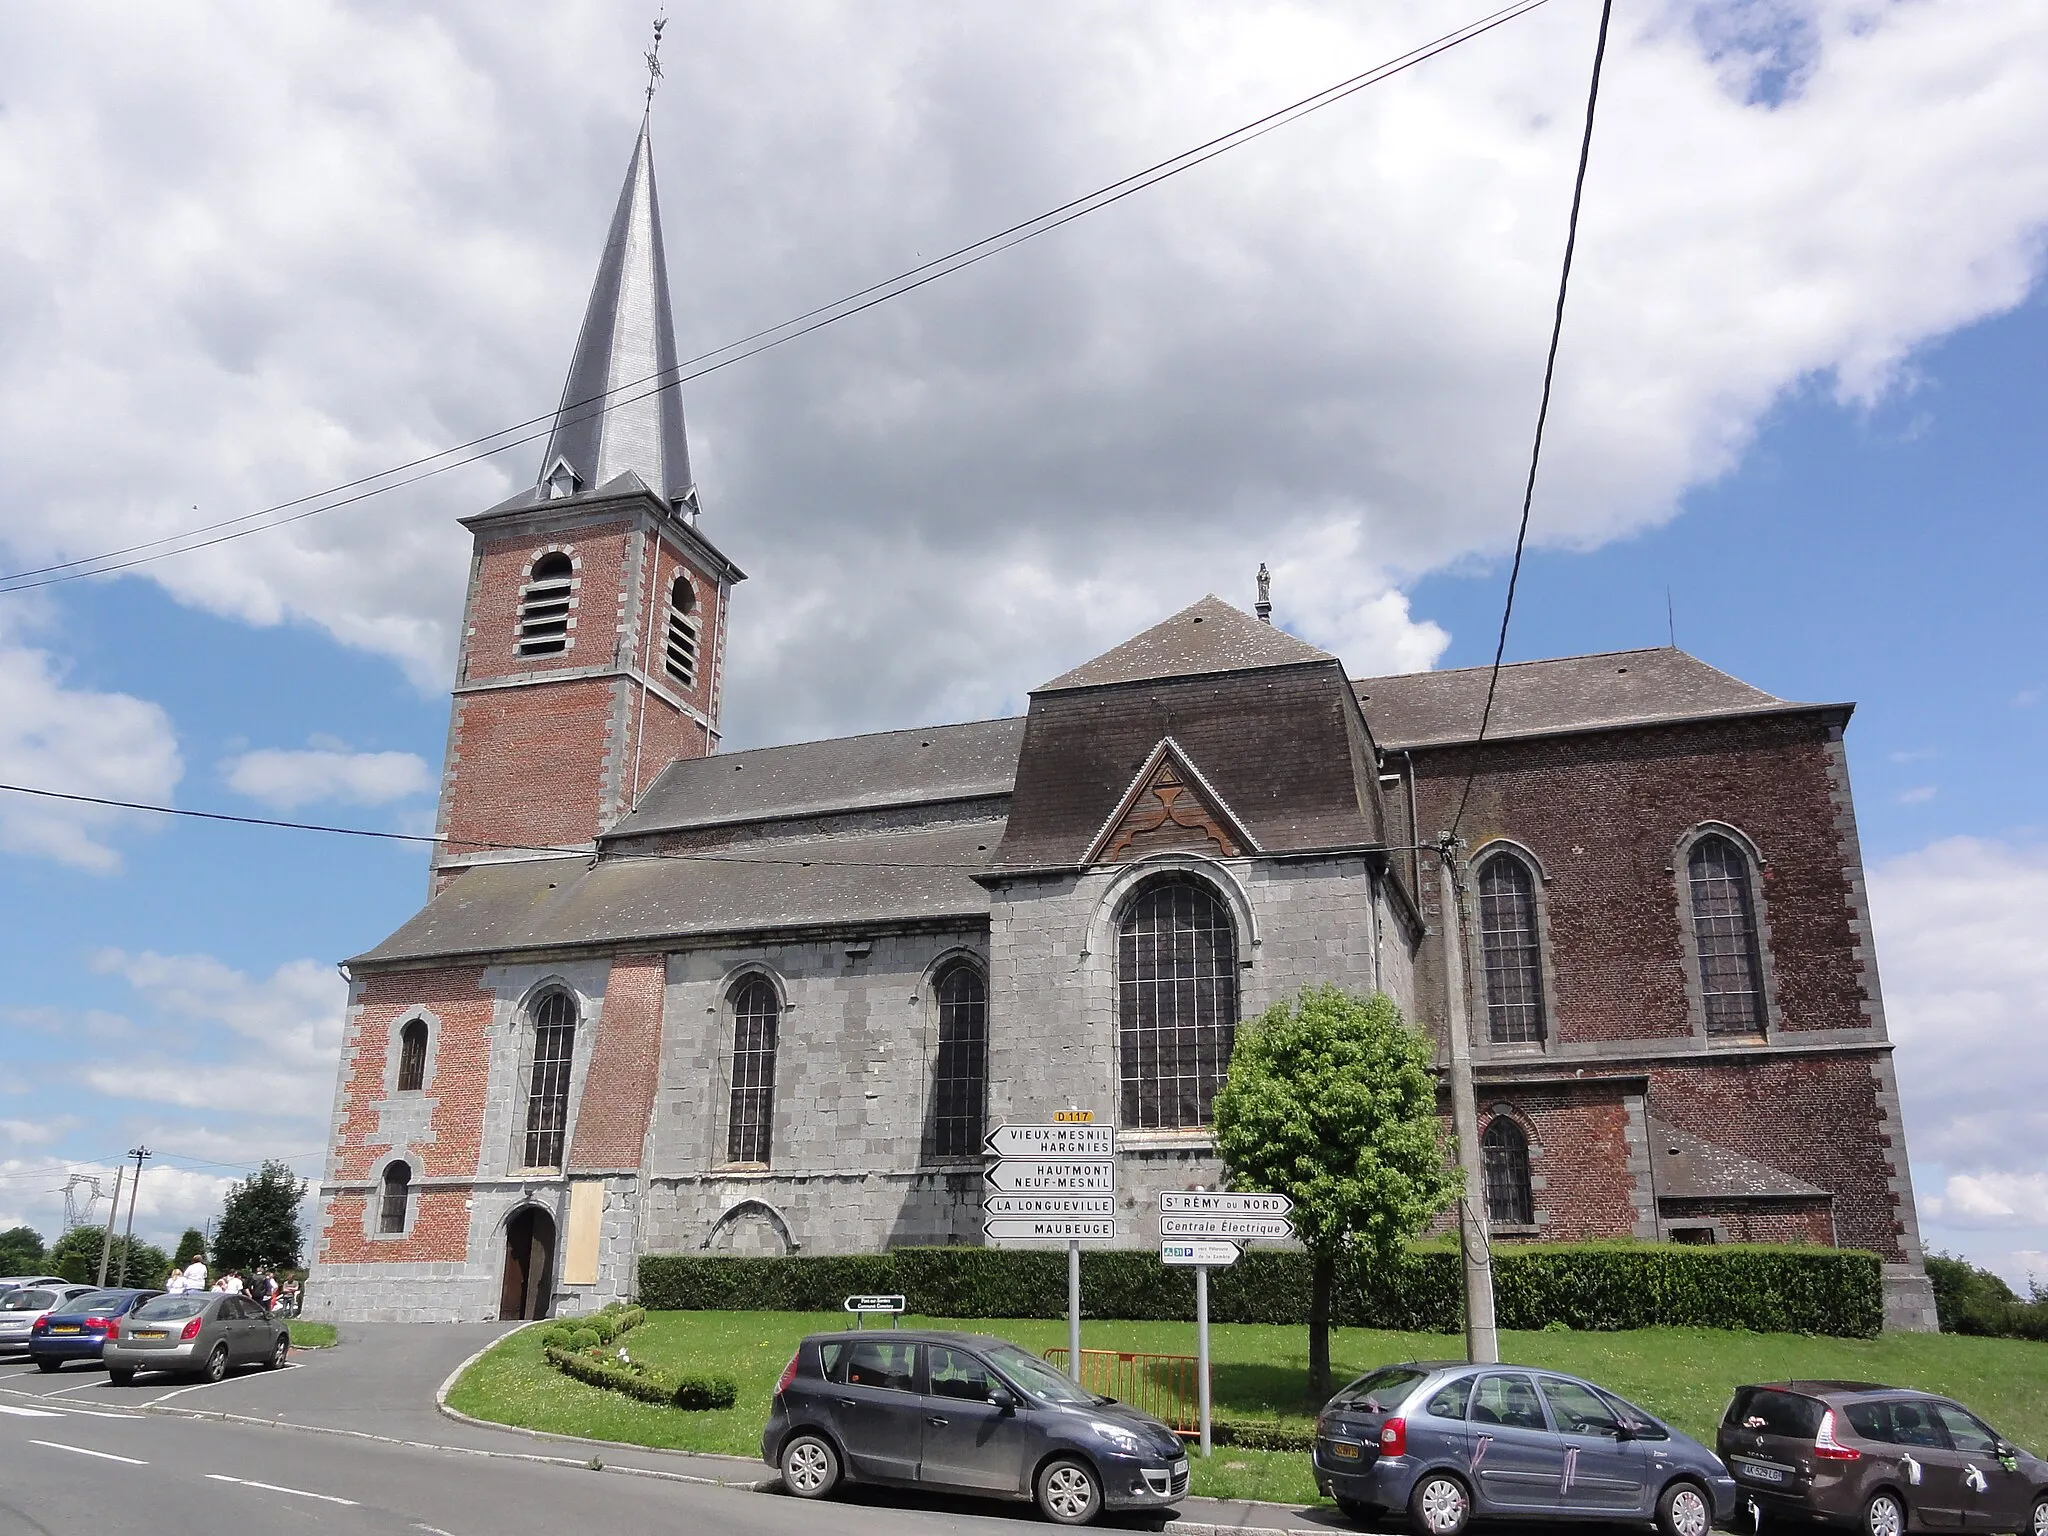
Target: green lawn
point(1683, 1375)
point(307, 1335)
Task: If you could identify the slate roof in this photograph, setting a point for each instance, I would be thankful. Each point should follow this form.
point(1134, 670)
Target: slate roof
point(1686, 1167)
point(890, 768)
point(1535, 698)
point(1206, 637)
point(830, 881)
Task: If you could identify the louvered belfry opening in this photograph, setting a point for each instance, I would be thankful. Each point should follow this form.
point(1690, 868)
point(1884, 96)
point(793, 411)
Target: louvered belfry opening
point(544, 606)
point(1176, 1004)
point(1512, 950)
point(679, 655)
point(756, 1012)
point(1724, 929)
point(960, 1072)
point(547, 1094)
point(1510, 1197)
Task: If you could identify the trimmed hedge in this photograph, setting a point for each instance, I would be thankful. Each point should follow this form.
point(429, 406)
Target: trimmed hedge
point(1589, 1286)
point(683, 1390)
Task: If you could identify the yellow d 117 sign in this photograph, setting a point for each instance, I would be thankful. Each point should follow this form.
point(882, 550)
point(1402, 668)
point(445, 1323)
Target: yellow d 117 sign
point(1074, 1117)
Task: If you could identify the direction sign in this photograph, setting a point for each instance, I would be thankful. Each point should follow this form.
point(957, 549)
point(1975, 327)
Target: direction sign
point(1048, 1205)
point(1208, 1254)
point(1052, 1141)
point(1079, 1177)
point(1235, 1227)
point(1204, 1202)
point(1064, 1229)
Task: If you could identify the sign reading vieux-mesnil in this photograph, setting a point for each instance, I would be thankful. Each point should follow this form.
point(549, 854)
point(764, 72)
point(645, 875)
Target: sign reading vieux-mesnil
point(1052, 1141)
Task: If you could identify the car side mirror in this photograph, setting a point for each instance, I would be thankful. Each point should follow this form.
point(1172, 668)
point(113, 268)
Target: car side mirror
point(2005, 1450)
point(1003, 1398)
point(1624, 1429)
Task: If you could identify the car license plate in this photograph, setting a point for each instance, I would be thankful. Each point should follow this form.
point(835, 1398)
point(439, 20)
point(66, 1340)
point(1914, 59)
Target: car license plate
point(148, 1333)
point(1343, 1451)
point(64, 1328)
point(1755, 1473)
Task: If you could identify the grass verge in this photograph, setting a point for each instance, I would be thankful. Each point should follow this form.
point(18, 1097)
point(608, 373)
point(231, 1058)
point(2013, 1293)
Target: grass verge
point(307, 1335)
point(1683, 1375)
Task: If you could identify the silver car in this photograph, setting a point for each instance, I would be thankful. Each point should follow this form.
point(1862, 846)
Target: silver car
point(1449, 1444)
point(21, 1307)
point(196, 1333)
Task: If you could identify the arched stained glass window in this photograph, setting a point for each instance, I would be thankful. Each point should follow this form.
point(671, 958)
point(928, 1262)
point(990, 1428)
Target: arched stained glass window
point(1512, 949)
point(756, 1011)
point(1176, 1004)
point(1510, 1198)
point(396, 1189)
point(412, 1056)
point(1724, 931)
point(960, 1073)
point(547, 1092)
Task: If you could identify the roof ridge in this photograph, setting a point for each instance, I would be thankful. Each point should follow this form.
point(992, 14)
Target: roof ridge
point(820, 741)
point(1545, 661)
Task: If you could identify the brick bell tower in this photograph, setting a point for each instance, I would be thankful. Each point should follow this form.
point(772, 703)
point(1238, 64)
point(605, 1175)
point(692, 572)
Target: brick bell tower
point(593, 637)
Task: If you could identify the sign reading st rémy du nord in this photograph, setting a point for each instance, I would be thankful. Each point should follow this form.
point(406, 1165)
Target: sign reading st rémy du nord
point(1048, 1205)
point(1051, 1141)
point(1202, 1202)
point(1051, 1178)
point(1064, 1229)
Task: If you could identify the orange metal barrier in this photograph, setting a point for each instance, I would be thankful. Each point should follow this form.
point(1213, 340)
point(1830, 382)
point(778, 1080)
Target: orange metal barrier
point(1161, 1385)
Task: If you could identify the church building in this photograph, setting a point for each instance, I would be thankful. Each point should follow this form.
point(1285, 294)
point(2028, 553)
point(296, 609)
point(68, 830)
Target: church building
point(668, 999)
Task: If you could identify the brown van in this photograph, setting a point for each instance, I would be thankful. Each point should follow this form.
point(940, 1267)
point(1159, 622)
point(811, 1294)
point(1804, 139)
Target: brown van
point(1884, 1460)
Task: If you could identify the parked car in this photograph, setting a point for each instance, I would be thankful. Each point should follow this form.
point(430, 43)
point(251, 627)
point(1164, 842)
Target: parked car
point(16, 1282)
point(200, 1333)
point(81, 1326)
point(1451, 1443)
point(1884, 1459)
point(969, 1414)
point(22, 1307)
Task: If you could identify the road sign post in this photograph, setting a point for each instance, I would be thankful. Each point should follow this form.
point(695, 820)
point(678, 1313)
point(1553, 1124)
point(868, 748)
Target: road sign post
point(1202, 1228)
point(1054, 1182)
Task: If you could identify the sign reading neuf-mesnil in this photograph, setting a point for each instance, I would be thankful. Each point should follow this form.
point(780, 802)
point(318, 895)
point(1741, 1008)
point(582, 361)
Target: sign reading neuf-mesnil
point(1053, 1178)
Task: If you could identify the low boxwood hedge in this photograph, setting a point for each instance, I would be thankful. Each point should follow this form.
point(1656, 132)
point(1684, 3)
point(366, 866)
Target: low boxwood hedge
point(1583, 1286)
point(687, 1389)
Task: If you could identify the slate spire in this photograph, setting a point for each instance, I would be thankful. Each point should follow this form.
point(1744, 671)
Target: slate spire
point(614, 417)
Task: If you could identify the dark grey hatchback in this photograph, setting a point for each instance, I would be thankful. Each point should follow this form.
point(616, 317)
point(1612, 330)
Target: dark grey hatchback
point(965, 1413)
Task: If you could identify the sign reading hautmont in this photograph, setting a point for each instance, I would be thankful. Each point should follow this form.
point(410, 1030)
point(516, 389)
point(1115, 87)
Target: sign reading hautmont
point(1052, 1141)
point(1049, 1178)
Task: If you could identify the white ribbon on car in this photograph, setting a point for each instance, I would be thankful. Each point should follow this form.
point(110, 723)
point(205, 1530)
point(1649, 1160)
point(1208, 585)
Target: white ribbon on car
point(1911, 1468)
point(1975, 1481)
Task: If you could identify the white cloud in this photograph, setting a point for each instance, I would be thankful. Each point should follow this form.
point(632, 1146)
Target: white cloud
point(76, 741)
point(294, 1014)
point(257, 249)
point(2026, 698)
point(288, 779)
point(167, 1201)
point(37, 1133)
point(1919, 794)
point(1995, 1200)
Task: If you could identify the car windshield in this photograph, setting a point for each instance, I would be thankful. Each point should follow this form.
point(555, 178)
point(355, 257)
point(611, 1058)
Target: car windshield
point(166, 1309)
point(1379, 1389)
point(1645, 1426)
point(1772, 1412)
point(26, 1301)
point(98, 1303)
point(1040, 1379)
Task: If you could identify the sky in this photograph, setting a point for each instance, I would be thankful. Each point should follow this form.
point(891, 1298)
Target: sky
point(250, 251)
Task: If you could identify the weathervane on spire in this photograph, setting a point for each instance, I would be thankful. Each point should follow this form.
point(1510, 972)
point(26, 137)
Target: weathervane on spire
point(654, 61)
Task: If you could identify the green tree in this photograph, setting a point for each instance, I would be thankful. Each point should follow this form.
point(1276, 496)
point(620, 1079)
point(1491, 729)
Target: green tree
point(191, 1246)
point(76, 1256)
point(21, 1251)
point(1329, 1100)
point(260, 1222)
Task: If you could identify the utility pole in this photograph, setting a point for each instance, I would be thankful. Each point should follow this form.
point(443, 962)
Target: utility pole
point(113, 1215)
point(128, 1236)
point(1482, 1339)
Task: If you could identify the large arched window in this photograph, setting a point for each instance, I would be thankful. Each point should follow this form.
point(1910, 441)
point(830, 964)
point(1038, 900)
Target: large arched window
point(544, 605)
point(547, 1091)
point(1512, 950)
point(1724, 932)
point(756, 1010)
point(1510, 1198)
point(680, 655)
point(960, 1074)
point(412, 1056)
point(1176, 978)
point(397, 1186)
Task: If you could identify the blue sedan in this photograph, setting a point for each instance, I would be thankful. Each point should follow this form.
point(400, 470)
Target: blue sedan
point(1449, 1444)
point(80, 1329)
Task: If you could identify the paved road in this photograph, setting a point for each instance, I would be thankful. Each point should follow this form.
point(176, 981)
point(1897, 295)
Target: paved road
point(81, 1457)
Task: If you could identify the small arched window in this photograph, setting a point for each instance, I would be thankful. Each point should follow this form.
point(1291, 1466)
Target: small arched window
point(1512, 950)
point(1724, 932)
point(544, 605)
point(1510, 1198)
point(396, 1188)
point(412, 1056)
point(547, 1092)
point(1176, 978)
point(680, 655)
point(756, 1011)
point(960, 1074)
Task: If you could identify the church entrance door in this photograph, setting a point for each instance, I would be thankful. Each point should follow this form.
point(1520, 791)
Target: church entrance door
point(529, 1287)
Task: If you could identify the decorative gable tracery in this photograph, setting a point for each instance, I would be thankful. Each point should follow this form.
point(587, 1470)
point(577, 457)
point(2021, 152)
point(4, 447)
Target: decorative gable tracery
point(1170, 808)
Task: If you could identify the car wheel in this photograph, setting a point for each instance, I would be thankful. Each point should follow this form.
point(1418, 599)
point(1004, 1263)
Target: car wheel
point(277, 1355)
point(49, 1365)
point(1683, 1510)
point(1440, 1506)
point(2039, 1527)
point(1068, 1492)
point(216, 1367)
point(120, 1377)
point(810, 1467)
point(1884, 1515)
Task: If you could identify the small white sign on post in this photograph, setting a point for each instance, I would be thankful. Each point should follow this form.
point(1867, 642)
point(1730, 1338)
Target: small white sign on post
point(1206, 1254)
point(864, 1307)
point(1201, 1228)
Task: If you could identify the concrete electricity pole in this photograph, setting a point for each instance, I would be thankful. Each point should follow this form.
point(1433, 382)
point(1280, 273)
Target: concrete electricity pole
point(128, 1236)
point(1482, 1340)
point(113, 1215)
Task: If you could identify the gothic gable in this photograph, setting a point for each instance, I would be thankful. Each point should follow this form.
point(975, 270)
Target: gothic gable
point(1170, 807)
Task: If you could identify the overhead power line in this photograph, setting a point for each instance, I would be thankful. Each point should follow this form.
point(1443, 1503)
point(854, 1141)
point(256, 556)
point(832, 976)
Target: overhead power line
point(107, 562)
point(1564, 282)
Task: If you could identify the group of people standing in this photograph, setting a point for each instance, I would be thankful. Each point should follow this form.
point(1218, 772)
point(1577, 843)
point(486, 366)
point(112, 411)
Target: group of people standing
point(262, 1287)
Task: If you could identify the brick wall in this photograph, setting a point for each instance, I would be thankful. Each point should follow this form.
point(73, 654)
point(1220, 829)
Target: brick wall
point(528, 764)
point(1756, 1221)
point(625, 1063)
point(1579, 1157)
point(439, 1232)
point(373, 1121)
